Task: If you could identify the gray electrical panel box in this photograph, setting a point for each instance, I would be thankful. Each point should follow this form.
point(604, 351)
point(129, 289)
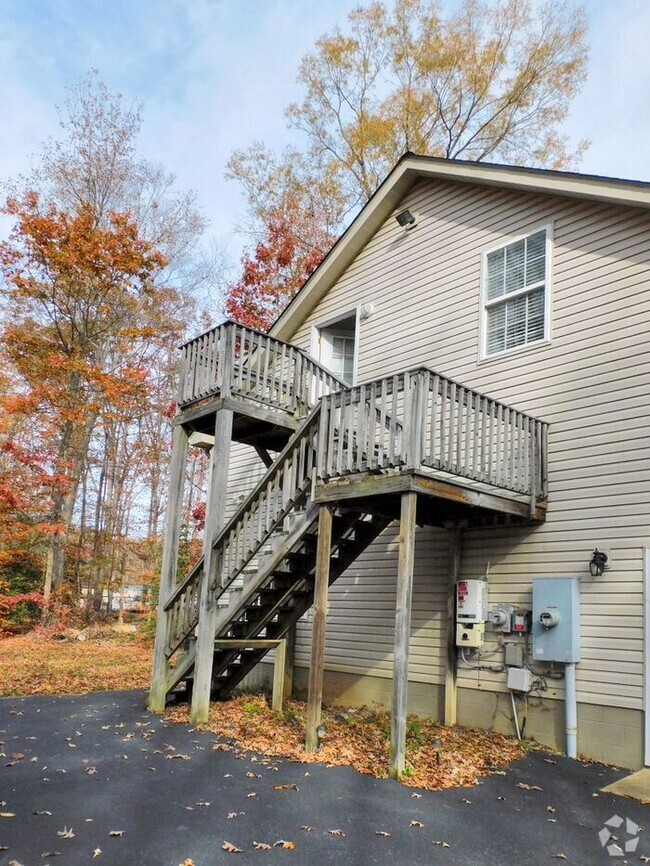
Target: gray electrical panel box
point(556, 619)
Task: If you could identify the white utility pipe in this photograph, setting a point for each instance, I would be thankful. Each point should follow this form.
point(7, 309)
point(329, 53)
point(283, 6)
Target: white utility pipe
point(514, 713)
point(571, 710)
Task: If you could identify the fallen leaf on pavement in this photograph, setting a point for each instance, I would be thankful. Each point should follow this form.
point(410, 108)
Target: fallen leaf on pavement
point(381, 833)
point(281, 843)
point(336, 832)
point(443, 844)
point(416, 824)
point(97, 852)
point(231, 849)
point(528, 787)
point(261, 846)
point(116, 833)
point(66, 833)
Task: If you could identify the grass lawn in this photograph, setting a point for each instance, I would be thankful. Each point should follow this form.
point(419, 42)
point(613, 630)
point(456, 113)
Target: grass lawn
point(34, 665)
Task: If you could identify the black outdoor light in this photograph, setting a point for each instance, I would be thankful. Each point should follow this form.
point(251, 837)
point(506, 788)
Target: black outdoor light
point(598, 563)
point(405, 219)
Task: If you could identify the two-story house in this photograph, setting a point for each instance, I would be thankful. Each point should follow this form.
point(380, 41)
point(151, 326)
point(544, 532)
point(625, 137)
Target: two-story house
point(460, 391)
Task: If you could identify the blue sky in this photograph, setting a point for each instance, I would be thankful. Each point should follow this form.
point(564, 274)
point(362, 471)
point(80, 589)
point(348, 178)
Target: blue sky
point(216, 74)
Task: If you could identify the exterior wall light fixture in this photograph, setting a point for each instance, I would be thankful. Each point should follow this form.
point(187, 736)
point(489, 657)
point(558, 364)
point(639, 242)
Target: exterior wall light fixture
point(598, 563)
point(405, 219)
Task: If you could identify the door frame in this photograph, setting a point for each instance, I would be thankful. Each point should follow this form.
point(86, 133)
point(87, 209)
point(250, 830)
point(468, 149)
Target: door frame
point(331, 322)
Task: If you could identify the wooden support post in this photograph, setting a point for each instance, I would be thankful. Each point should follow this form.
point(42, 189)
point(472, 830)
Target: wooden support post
point(214, 521)
point(402, 634)
point(289, 662)
point(158, 689)
point(315, 696)
point(451, 668)
point(278, 676)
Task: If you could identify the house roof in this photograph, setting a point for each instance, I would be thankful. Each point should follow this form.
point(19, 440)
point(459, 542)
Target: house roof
point(412, 168)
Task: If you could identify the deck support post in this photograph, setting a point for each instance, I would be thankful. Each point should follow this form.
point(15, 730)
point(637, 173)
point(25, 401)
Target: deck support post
point(289, 663)
point(451, 668)
point(278, 676)
point(315, 696)
point(158, 688)
point(214, 521)
point(402, 633)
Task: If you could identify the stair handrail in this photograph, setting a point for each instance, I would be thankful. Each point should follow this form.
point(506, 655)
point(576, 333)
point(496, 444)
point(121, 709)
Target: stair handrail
point(242, 509)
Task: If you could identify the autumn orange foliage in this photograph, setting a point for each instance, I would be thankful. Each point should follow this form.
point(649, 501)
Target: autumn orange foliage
point(278, 267)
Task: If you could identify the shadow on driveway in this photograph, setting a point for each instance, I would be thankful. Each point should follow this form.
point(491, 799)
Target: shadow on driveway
point(100, 763)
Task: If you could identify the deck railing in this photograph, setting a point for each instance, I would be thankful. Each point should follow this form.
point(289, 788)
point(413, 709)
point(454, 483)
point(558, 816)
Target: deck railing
point(232, 359)
point(419, 418)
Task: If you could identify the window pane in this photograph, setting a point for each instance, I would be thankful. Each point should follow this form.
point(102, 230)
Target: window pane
point(535, 316)
point(535, 258)
point(496, 329)
point(515, 266)
point(515, 322)
point(495, 262)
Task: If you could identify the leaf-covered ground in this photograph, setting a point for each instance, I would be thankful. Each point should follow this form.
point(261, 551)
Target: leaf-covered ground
point(34, 665)
point(360, 738)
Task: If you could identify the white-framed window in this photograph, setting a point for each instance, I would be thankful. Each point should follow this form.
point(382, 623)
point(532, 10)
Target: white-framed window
point(516, 293)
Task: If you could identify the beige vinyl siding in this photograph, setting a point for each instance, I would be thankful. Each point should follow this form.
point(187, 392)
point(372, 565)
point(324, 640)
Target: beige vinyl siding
point(591, 383)
point(362, 605)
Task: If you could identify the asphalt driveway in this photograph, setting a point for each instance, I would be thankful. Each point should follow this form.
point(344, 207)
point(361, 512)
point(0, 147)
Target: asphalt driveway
point(97, 779)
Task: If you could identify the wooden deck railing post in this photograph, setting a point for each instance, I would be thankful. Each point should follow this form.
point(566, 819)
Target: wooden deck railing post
point(315, 696)
point(402, 634)
point(451, 672)
point(214, 520)
point(227, 359)
point(158, 690)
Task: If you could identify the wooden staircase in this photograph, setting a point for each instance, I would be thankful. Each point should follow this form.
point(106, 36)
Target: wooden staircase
point(267, 559)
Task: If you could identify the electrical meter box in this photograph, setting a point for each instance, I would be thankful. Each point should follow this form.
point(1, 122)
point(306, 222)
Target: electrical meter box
point(556, 619)
point(471, 601)
point(469, 634)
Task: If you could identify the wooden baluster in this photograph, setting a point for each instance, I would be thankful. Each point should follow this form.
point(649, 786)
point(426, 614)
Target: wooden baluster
point(513, 450)
point(323, 437)
point(345, 408)
point(498, 447)
point(443, 423)
point(372, 426)
point(452, 427)
point(467, 456)
point(361, 431)
point(212, 369)
point(434, 399)
point(350, 429)
point(333, 434)
point(461, 427)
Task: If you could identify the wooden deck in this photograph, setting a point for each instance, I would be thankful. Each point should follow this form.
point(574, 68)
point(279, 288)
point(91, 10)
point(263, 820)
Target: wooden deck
point(347, 461)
